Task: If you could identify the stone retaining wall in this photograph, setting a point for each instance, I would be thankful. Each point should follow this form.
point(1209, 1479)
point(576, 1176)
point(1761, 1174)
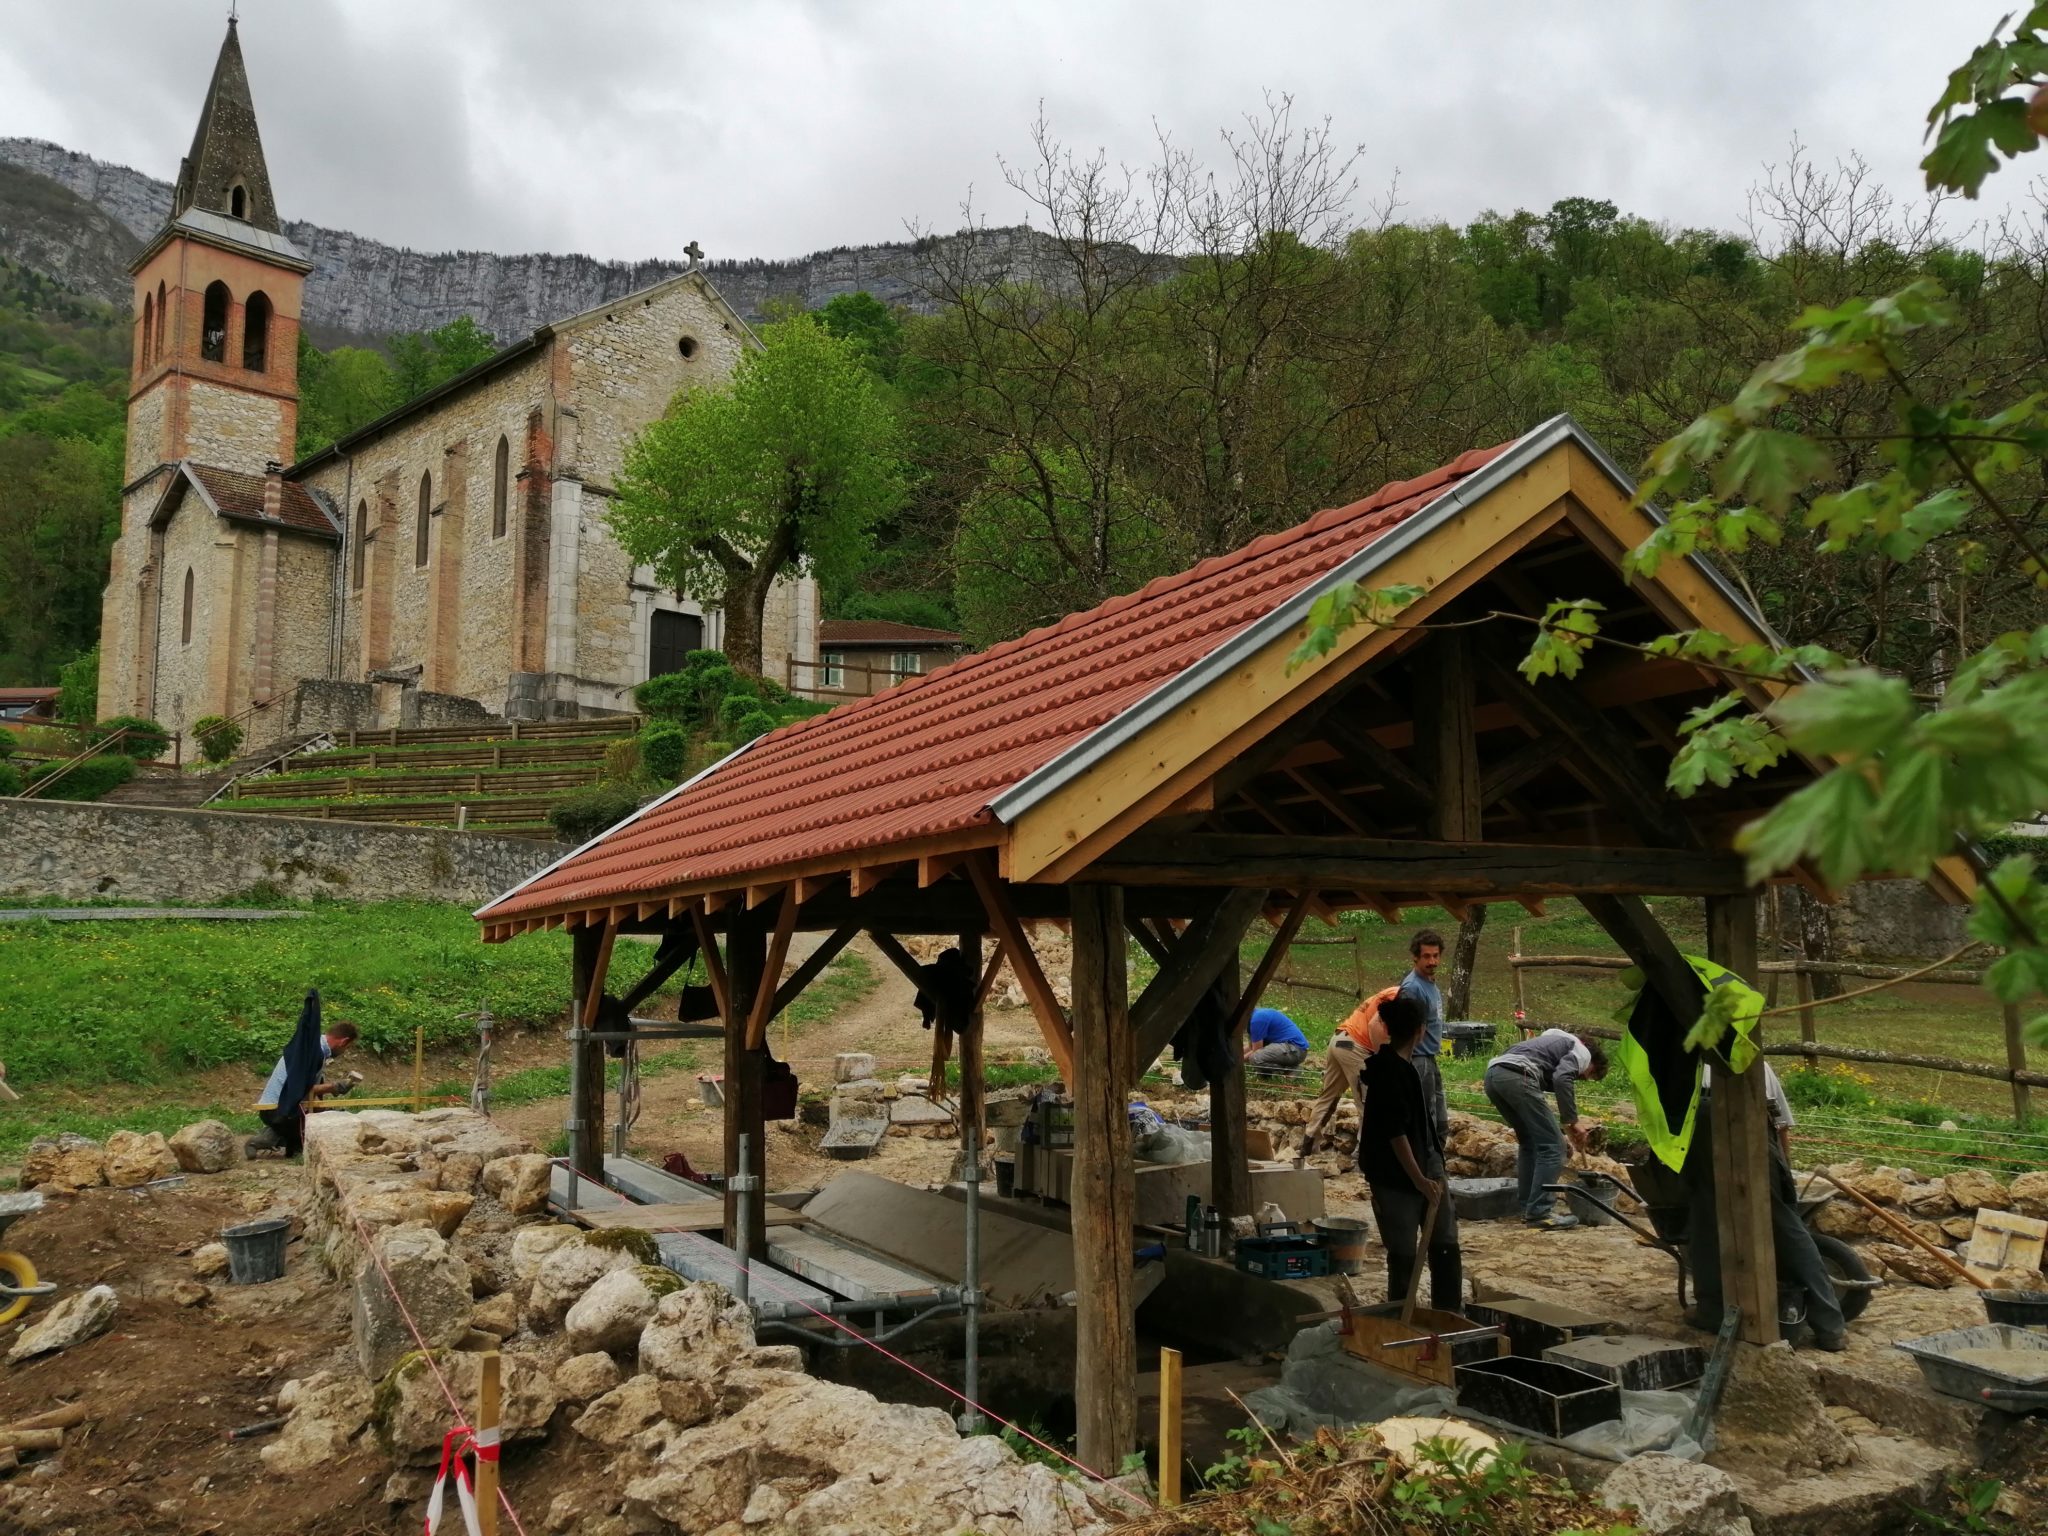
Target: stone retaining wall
point(144, 853)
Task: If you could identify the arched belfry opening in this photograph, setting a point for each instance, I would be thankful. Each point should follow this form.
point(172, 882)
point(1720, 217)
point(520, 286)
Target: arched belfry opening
point(238, 201)
point(256, 332)
point(213, 325)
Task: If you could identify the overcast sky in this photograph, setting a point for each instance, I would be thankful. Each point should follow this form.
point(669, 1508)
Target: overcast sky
point(624, 128)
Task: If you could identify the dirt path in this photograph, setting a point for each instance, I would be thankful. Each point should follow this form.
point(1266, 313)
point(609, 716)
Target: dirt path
point(884, 1021)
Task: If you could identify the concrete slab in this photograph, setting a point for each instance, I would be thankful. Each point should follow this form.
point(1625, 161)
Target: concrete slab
point(638, 1180)
point(1633, 1361)
point(696, 1257)
point(1163, 1188)
point(916, 1109)
point(852, 1138)
point(566, 1190)
point(1021, 1263)
point(842, 1269)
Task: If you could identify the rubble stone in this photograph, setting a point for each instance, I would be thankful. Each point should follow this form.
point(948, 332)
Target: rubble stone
point(459, 1172)
point(581, 1378)
point(1771, 1417)
point(1674, 1497)
point(136, 1157)
point(697, 1331)
point(532, 1244)
point(687, 1404)
point(190, 1293)
point(1930, 1202)
point(1882, 1185)
point(1913, 1266)
point(565, 1274)
point(497, 1315)
point(623, 1412)
point(324, 1413)
point(390, 1203)
point(418, 1270)
point(411, 1413)
point(1957, 1229)
point(210, 1259)
point(73, 1320)
point(65, 1162)
point(610, 1315)
point(519, 1182)
point(2029, 1194)
point(1973, 1191)
point(206, 1146)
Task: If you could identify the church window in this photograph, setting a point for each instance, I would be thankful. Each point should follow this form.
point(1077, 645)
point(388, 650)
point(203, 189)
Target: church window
point(362, 540)
point(238, 201)
point(501, 488)
point(256, 332)
point(213, 329)
point(185, 625)
point(688, 347)
point(162, 314)
point(148, 326)
point(419, 531)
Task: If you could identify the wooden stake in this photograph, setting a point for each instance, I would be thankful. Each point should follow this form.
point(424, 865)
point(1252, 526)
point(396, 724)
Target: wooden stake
point(1803, 984)
point(1169, 1427)
point(32, 1439)
point(2016, 1059)
point(487, 1432)
point(69, 1415)
point(419, 1067)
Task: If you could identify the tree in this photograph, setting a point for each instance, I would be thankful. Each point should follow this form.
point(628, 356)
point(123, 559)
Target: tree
point(789, 467)
point(423, 359)
point(340, 391)
point(865, 320)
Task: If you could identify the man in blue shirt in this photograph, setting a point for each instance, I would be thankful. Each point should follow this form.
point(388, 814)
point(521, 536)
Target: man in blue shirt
point(284, 1125)
point(1274, 1042)
point(1427, 950)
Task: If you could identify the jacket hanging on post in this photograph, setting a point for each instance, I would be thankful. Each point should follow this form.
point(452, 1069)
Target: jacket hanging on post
point(303, 1057)
point(1200, 1045)
point(1663, 1076)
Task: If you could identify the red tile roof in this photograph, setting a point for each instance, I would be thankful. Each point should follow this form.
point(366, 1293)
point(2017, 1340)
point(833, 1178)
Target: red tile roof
point(850, 632)
point(928, 757)
point(240, 496)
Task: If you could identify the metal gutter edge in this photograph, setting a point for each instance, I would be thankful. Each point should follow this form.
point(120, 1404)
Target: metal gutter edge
point(1092, 749)
point(654, 804)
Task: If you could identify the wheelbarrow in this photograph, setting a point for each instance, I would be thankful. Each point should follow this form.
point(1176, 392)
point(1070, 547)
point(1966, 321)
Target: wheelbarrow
point(18, 1284)
point(1668, 1205)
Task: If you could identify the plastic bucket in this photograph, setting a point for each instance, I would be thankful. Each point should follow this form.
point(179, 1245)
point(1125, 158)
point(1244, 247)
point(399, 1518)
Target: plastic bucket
point(2022, 1309)
point(1344, 1237)
point(256, 1250)
point(1006, 1177)
point(1587, 1212)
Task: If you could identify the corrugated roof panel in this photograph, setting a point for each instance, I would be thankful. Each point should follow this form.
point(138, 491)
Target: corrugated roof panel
point(929, 756)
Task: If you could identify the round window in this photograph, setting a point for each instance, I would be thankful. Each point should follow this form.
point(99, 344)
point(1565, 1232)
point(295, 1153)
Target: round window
point(687, 346)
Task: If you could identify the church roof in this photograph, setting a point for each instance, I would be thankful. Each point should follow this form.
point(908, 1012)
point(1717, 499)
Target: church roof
point(227, 150)
point(238, 497)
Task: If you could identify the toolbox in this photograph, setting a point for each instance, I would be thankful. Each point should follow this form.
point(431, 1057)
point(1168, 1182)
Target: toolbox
point(1282, 1251)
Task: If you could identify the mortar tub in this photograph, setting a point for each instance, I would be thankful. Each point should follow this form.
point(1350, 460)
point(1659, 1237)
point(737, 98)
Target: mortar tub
point(2022, 1309)
point(1943, 1363)
point(1344, 1237)
point(1551, 1399)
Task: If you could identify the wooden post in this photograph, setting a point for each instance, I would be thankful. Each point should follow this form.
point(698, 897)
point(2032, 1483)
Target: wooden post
point(746, 959)
point(1230, 1169)
point(1104, 1191)
point(419, 1067)
point(2016, 1059)
point(487, 1439)
point(1446, 738)
point(1169, 1427)
point(1742, 1130)
point(1803, 984)
point(1521, 993)
point(587, 953)
point(973, 1090)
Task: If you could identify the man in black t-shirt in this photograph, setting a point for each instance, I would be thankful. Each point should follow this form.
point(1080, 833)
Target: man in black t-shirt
point(1402, 1158)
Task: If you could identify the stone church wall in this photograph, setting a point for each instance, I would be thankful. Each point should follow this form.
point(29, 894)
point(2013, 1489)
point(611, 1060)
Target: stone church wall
point(76, 851)
point(625, 365)
point(146, 435)
point(234, 428)
point(198, 541)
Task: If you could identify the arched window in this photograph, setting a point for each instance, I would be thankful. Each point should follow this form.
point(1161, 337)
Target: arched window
point(362, 540)
point(501, 488)
point(213, 327)
point(419, 532)
point(163, 308)
point(185, 625)
point(148, 327)
point(238, 201)
point(256, 331)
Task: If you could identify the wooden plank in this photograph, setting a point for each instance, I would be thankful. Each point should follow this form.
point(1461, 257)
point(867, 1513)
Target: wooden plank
point(1742, 1141)
point(695, 1216)
point(1446, 737)
point(1003, 922)
point(1169, 1428)
point(1499, 870)
point(1197, 959)
point(1104, 1194)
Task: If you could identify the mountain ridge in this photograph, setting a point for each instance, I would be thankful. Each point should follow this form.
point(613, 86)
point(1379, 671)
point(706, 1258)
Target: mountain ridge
point(364, 288)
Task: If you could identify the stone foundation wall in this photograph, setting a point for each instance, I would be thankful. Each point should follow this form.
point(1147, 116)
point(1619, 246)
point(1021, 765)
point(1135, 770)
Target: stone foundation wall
point(145, 853)
point(1896, 919)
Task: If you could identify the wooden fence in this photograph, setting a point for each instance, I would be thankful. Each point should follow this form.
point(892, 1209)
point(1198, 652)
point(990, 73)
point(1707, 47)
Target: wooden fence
point(2015, 1071)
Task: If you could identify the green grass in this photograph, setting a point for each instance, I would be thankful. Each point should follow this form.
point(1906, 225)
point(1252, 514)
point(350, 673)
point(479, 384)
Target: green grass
point(254, 787)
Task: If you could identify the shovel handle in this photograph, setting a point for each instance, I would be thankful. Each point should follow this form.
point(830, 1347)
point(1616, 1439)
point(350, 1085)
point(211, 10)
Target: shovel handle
point(1421, 1258)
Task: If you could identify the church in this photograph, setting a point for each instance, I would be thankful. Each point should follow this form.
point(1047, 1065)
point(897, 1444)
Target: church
point(449, 560)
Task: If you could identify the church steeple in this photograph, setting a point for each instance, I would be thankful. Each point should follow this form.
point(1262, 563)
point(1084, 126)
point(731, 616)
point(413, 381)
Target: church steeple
point(225, 173)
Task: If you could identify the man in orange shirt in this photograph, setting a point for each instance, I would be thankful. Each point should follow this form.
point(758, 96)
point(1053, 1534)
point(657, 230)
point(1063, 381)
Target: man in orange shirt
point(1353, 1043)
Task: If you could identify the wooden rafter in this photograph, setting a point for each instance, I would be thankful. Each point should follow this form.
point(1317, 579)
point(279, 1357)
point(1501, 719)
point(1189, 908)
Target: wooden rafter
point(1009, 932)
point(1268, 966)
point(1395, 776)
point(1192, 967)
point(1518, 767)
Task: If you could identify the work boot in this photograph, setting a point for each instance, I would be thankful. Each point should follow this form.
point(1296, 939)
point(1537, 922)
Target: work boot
point(1833, 1343)
point(1556, 1221)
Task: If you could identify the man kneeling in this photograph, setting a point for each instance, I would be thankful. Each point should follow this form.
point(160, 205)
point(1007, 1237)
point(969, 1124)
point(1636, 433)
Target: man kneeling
point(1402, 1159)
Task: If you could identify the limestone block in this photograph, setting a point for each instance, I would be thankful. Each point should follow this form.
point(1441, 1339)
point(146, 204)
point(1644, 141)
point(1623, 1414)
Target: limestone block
point(458, 1171)
point(1930, 1201)
point(850, 1066)
point(497, 1315)
point(324, 1413)
point(66, 1162)
point(532, 1244)
point(410, 1410)
point(565, 1274)
point(1913, 1266)
point(418, 1270)
point(1672, 1497)
point(581, 1378)
point(518, 1182)
point(136, 1157)
point(611, 1314)
point(2030, 1195)
point(1971, 1191)
point(697, 1332)
point(210, 1259)
point(206, 1146)
point(73, 1320)
point(394, 1203)
point(623, 1412)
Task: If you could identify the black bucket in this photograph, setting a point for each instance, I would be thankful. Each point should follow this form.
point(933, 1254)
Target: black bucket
point(256, 1250)
point(2022, 1309)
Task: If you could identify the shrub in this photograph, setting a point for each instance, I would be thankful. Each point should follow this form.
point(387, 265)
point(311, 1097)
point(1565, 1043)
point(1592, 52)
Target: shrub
point(757, 722)
point(10, 778)
point(78, 688)
point(146, 740)
point(732, 709)
point(666, 697)
point(692, 695)
point(664, 746)
point(581, 816)
point(91, 778)
point(622, 761)
point(219, 739)
point(6, 744)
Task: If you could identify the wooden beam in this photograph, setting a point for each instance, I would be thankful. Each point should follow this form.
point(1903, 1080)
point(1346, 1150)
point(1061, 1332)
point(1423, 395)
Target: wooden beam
point(771, 973)
point(1210, 944)
point(1446, 737)
point(745, 1072)
point(1741, 1129)
point(1500, 870)
point(1104, 1194)
point(1395, 776)
point(1149, 941)
point(1519, 767)
point(996, 956)
point(759, 896)
point(810, 887)
point(973, 1076)
point(676, 951)
point(1642, 938)
point(865, 877)
point(814, 963)
point(714, 967)
point(1230, 1169)
point(1009, 931)
point(934, 867)
point(589, 955)
point(1268, 966)
point(894, 952)
point(1328, 796)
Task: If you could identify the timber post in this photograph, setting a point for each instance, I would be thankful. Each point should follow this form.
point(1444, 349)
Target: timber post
point(1104, 1188)
point(1742, 1138)
point(1230, 1169)
point(746, 958)
point(588, 951)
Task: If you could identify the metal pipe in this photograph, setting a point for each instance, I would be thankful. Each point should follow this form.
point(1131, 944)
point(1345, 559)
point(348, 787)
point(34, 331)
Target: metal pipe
point(742, 1183)
point(835, 1339)
point(970, 1274)
point(796, 1311)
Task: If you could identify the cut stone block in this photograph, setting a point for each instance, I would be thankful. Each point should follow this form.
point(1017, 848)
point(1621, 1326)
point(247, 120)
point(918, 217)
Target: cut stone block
point(850, 1066)
point(1632, 1361)
point(916, 1109)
